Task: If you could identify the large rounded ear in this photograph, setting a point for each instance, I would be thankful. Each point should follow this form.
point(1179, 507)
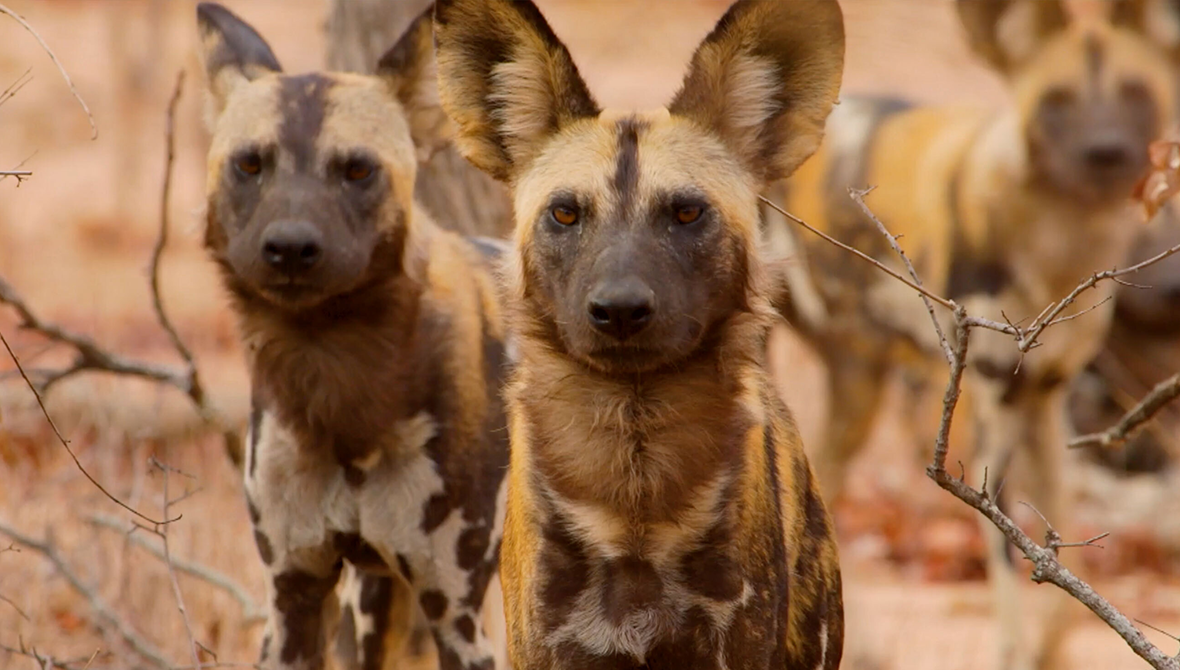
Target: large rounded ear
point(765, 81)
point(506, 81)
point(1007, 32)
point(232, 51)
point(408, 67)
point(1158, 20)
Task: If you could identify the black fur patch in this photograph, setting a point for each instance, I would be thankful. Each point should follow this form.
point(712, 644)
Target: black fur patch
point(359, 552)
point(255, 428)
point(711, 570)
point(434, 604)
point(302, 103)
point(375, 601)
point(629, 584)
point(466, 628)
point(564, 571)
point(265, 551)
point(627, 165)
point(299, 601)
point(241, 46)
point(973, 271)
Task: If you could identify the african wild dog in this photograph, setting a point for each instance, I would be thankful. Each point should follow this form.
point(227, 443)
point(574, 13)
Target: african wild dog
point(374, 342)
point(1004, 212)
point(661, 511)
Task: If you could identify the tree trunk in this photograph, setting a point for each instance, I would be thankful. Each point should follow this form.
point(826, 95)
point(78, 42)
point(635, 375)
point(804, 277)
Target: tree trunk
point(457, 195)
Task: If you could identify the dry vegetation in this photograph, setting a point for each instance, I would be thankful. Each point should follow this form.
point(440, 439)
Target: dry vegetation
point(76, 238)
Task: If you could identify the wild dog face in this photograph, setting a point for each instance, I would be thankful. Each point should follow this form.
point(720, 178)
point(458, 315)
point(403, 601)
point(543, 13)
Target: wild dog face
point(1090, 96)
point(636, 233)
point(310, 176)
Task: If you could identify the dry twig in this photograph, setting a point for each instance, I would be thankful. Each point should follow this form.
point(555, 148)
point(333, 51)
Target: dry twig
point(162, 531)
point(1046, 566)
point(103, 612)
point(90, 357)
point(251, 613)
point(66, 443)
point(65, 75)
point(5, 599)
point(46, 662)
point(1159, 397)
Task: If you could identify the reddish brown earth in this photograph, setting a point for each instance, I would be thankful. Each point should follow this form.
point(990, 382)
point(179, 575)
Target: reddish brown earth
point(75, 239)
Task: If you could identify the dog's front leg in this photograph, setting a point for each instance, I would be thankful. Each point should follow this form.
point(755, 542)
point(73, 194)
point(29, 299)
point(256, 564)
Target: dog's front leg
point(303, 611)
point(302, 566)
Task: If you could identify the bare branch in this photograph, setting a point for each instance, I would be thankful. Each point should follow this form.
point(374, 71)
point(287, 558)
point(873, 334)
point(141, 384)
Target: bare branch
point(18, 167)
point(250, 610)
point(1049, 317)
point(102, 610)
point(1046, 567)
point(163, 532)
point(65, 443)
point(863, 256)
point(194, 384)
point(13, 88)
point(91, 357)
point(46, 662)
point(1159, 397)
point(65, 75)
point(858, 196)
point(14, 606)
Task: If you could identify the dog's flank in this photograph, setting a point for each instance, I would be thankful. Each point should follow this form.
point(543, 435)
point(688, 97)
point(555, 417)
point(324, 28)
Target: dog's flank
point(375, 346)
point(661, 512)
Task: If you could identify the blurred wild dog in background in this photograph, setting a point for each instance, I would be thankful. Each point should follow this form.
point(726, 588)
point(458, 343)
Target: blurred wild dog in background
point(1003, 212)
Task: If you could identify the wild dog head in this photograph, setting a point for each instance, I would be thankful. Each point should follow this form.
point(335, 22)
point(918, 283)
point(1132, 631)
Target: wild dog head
point(636, 233)
point(310, 176)
point(1091, 95)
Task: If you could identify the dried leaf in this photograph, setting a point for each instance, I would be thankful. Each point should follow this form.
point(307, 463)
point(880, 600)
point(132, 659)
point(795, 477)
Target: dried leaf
point(1163, 179)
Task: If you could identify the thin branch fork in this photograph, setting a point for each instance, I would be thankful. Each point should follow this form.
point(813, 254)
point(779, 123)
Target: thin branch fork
point(60, 68)
point(251, 612)
point(90, 357)
point(1150, 405)
point(1046, 566)
point(103, 612)
point(162, 531)
point(45, 662)
point(66, 443)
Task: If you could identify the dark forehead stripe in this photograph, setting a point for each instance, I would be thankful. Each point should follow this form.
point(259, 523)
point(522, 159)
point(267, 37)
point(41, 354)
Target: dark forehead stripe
point(1095, 54)
point(302, 103)
point(627, 165)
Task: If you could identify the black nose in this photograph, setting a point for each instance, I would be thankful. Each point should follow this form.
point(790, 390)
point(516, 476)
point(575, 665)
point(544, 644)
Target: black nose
point(621, 308)
point(1109, 156)
point(292, 247)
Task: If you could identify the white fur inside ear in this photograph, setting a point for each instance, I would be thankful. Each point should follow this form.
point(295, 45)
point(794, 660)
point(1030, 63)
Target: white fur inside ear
point(1163, 23)
point(750, 87)
point(1016, 31)
point(523, 97)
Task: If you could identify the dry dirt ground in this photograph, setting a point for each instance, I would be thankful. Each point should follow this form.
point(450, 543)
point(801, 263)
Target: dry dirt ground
point(75, 240)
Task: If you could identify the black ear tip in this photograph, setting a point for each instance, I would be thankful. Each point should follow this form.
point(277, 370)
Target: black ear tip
point(212, 13)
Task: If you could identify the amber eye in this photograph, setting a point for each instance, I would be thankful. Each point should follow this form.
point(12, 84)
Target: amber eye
point(689, 214)
point(248, 165)
point(566, 216)
point(357, 170)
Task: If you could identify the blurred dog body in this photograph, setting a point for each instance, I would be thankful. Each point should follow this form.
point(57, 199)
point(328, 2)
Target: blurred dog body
point(1004, 213)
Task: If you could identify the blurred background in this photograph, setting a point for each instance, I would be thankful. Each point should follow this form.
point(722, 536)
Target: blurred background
point(75, 241)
